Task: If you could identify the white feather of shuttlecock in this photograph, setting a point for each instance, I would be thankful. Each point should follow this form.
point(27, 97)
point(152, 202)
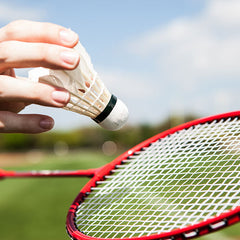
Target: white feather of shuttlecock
point(89, 96)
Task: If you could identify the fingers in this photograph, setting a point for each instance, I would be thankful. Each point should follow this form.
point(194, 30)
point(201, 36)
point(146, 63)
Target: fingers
point(12, 106)
point(19, 90)
point(33, 44)
point(24, 123)
point(14, 54)
point(29, 31)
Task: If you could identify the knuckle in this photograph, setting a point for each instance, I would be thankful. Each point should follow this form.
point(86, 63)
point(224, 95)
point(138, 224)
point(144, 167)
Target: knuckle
point(49, 30)
point(33, 93)
point(4, 88)
point(5, 55)
point(38, 93)
point(44, 52)
point(45, 27)
point(13, 27)
point(4, 50)
point(49, 55)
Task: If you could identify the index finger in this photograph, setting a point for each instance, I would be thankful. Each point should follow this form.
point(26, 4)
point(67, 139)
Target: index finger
point(31, 92)
point(29, 31)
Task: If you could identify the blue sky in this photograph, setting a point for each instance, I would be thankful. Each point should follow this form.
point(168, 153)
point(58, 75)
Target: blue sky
point(158, 56)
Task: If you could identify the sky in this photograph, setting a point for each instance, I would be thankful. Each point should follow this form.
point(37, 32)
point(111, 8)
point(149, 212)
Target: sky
point(159, 56)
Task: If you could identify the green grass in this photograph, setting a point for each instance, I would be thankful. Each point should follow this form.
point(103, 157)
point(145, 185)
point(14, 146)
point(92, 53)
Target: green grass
point(36, 208)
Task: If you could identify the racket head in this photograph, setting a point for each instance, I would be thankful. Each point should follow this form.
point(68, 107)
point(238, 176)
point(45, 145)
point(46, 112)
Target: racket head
point(206, 224)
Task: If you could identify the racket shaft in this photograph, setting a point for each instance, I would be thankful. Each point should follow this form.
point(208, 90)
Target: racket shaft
point(47, 173)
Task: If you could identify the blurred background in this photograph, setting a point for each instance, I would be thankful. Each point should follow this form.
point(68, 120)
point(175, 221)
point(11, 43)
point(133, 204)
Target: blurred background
point(169, 61)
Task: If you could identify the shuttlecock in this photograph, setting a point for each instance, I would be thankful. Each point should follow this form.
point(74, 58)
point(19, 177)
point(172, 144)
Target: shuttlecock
point(89, 96)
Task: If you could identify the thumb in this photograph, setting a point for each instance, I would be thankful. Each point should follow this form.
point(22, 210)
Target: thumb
point(24, 123)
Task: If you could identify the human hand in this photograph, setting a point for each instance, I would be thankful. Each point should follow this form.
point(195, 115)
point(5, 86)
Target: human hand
point(25, 44)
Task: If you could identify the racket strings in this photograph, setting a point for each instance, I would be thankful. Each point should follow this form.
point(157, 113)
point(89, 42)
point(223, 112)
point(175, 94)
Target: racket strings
point(187, 177)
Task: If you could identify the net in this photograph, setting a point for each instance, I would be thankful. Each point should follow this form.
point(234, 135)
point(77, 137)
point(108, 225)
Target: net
point(187, 177)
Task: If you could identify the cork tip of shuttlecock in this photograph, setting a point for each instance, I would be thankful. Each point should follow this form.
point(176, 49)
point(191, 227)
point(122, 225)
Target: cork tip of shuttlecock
point(117, 118)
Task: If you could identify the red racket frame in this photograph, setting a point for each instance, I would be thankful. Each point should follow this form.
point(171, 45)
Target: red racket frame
point(211, 225)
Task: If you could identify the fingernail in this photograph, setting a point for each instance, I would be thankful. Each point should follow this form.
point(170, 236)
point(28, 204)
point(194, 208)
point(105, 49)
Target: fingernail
point(68, 36)
point(70, 57)
point(60, 96)
point(46, 123)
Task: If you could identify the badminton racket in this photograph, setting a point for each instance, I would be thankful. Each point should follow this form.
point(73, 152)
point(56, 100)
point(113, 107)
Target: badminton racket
point(180, 184)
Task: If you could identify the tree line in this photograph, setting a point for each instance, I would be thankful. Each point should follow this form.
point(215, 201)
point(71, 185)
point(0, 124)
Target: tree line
point(88, 137)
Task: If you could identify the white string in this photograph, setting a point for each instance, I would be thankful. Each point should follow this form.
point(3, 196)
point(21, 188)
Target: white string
point(180, 180)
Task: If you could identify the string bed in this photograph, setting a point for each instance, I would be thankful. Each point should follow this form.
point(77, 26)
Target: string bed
point(187, 177)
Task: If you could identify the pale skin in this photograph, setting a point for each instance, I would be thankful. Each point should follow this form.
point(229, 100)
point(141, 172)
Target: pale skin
point(25, 44)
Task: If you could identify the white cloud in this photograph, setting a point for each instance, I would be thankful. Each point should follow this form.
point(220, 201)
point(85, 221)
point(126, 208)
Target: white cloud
point(135, 91)
point(127, 84)
point(202, 41)
point(198, 46)
point(224, 12)
point(11, 12)
point(196, 52)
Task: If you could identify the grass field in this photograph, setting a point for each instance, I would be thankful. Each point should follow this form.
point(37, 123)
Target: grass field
point(36, 208)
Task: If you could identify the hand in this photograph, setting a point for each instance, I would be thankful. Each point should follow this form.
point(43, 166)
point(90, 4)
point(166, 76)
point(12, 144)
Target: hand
point(25, 44)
